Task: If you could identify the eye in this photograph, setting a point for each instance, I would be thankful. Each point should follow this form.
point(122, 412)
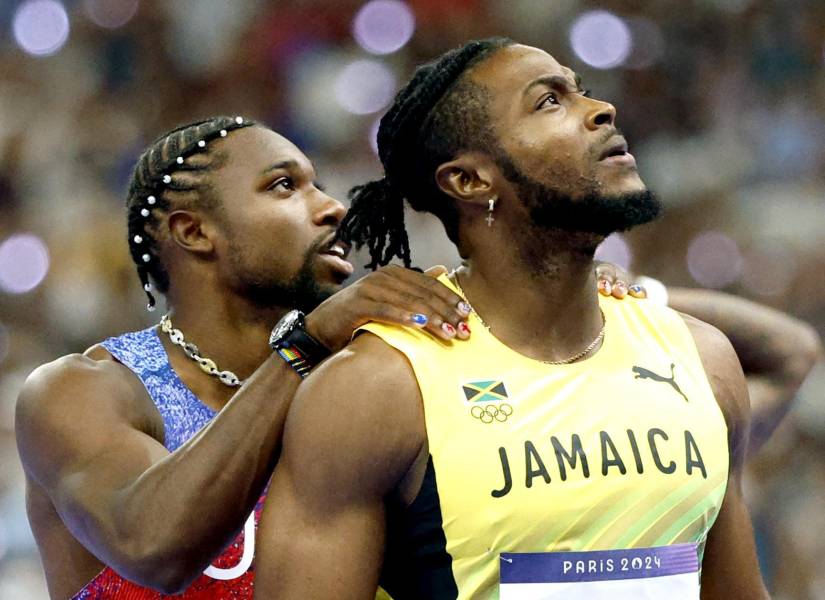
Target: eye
point(284, 183)
point(550, 98)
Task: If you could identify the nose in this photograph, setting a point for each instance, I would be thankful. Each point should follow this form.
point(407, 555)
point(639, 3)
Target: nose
point(602, 113)
point(329, 211)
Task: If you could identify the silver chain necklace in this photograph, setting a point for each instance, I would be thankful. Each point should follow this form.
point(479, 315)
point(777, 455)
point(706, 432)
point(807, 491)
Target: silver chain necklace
point(565, 361)
point(207, 365)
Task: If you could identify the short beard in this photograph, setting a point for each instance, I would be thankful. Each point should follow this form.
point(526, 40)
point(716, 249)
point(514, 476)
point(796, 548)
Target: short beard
point(301, 291)
point(593, 213)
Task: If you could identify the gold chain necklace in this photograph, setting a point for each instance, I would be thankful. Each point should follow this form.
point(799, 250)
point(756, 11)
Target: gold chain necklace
point(565, 361)
point(207, 365)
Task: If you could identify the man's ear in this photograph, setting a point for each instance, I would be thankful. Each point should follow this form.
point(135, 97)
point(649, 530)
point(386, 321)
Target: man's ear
point(189, 231)
point(467, 178)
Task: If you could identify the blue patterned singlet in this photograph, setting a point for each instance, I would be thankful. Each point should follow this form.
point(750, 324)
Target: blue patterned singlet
point(183, 414)
point(231, 575)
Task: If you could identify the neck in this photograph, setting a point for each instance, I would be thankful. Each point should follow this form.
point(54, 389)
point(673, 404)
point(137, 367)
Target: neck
point(541, 302)
point(230, 330)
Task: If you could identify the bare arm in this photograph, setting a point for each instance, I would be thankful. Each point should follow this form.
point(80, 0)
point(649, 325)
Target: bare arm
point(88, 437)
point(322, 532)
point(91, 439)
point(730, 570)
point(776, 351)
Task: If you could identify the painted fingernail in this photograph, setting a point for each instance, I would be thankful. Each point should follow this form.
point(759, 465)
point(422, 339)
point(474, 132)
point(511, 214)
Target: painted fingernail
point(464, 308)
point(605, 287)
point(619, 289)
point(637, 291)
point(448, 329)
point(419, 319)
point(464, 328)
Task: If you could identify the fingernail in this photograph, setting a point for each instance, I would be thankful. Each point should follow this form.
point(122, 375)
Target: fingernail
point(619, 289)
point(464, 328)
point(448, 329)
point(419, 319)
point(464, 308)
point(637, 291)
point(605, 287)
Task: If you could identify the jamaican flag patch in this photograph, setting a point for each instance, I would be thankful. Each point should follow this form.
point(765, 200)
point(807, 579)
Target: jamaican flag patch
point(484, 391)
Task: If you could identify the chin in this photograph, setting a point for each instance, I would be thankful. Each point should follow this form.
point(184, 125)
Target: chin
point(629, 185)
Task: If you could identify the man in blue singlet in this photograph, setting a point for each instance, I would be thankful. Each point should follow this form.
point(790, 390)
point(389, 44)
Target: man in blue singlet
point(135, 482)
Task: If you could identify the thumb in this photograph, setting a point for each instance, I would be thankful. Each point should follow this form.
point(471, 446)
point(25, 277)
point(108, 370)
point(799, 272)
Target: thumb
point(436, 270)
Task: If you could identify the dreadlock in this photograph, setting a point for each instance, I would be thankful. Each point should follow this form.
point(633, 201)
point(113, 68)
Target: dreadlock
point(172, 173)
point(437, 114)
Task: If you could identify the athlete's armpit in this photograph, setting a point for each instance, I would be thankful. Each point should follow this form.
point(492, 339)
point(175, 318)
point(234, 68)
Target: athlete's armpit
point(352, 433)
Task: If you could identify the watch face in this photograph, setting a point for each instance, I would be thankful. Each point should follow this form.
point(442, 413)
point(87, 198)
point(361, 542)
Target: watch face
point(285, 325)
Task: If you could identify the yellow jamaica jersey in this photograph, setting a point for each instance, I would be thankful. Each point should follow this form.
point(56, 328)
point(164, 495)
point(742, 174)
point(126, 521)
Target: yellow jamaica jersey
point(604, 474)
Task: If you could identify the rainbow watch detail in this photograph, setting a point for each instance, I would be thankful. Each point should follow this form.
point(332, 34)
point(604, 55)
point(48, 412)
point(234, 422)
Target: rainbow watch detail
point(295, 345)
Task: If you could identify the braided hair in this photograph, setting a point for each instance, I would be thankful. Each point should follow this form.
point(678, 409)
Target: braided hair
point(437, 114)
point(172, 173)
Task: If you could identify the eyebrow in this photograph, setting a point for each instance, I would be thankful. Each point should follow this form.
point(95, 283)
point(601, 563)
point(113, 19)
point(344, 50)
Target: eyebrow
point(556, 82)
point(284, 164)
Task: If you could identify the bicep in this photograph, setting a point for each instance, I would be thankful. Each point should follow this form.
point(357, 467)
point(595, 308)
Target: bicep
point(82, 446)
point(307, 550)
point(322, 532)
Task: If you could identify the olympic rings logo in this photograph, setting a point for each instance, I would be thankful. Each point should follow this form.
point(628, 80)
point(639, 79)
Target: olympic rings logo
point(491, 412)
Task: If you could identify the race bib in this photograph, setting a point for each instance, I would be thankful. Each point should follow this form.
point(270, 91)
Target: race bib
point(667, 572)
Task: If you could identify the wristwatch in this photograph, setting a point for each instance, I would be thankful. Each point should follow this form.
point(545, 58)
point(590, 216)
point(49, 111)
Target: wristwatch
point(291, 341)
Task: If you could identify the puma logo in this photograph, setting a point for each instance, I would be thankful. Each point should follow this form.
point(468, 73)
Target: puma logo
point(642, 373)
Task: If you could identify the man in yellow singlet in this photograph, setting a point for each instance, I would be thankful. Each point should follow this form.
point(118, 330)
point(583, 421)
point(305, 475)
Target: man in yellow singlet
point(576, 446)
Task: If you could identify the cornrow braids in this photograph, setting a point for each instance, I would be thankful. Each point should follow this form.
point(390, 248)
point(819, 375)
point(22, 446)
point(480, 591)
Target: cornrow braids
point(422, 129)
point(172, 172)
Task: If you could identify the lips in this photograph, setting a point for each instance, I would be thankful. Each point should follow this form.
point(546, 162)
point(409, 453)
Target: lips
point(336, 247)
point(335, 253)
point(616, 148)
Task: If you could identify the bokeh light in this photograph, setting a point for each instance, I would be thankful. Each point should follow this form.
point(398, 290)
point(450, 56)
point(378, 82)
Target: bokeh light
point(616, 250)
point(383, 26)
point(24, 262)
point(714, 259)
point(601, 39)
point(110, 14)
point(364, 86)
point(41, 27)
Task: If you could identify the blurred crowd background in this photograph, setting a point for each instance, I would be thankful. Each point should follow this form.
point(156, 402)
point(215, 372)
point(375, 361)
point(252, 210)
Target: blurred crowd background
point(723, 102)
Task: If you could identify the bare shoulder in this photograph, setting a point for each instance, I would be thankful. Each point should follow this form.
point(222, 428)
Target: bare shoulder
point(724, 372)
point(76, 393)
point(362, 407)
point(71, 381)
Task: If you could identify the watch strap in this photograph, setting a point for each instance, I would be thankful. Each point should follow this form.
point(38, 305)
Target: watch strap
point(297, 347)
point(296, 360)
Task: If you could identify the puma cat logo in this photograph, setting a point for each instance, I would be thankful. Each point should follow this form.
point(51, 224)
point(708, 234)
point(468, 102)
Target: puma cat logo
point(642, 373)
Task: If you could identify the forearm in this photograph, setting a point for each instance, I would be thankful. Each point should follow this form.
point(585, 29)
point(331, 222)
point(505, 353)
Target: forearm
point(184, 509)
point(766, 340)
